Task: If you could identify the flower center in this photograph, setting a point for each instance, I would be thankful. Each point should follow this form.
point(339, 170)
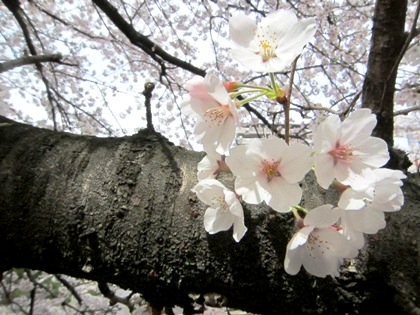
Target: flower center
point(270, 169)
point(267, 50)
point(343, 153)
point(315, 245)
point(267, 42)
point(216, 116)
point(220, 202)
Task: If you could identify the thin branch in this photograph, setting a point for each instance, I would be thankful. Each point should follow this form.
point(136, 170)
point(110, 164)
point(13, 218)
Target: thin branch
point(69, 287)
point(287, 103)
point(33, 292)
point(27, 60)
point(352, 104)
point(260, 117)
point(14, 7)
point(143, 42)
point(148, 89)
point(406, 110)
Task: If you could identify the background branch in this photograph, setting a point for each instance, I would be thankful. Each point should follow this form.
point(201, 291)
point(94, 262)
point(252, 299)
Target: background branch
point(27, 60)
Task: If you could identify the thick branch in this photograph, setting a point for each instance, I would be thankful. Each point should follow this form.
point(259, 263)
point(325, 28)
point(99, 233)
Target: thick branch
point(19, 62)
point(121, 210)
point(387, 45)
point(143, 42)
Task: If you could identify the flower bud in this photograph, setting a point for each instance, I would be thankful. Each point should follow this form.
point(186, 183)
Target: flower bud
point(230, 86)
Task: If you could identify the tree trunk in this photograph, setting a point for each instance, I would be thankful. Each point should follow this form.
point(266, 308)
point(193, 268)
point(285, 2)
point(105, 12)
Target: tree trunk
point(387, 41)
point(120, 210)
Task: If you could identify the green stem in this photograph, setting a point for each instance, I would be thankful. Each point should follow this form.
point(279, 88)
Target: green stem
point(253, 90)
point(300, 208)
point(274, 83)
point(241, 85)
point(296, 213)
point(249, 99)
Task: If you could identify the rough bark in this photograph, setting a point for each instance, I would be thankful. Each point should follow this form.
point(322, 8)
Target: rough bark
point(120, 210)
point(387, 41)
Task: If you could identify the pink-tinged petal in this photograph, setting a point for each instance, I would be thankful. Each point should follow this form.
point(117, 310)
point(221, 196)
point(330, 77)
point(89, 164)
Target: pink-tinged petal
point(387, 174)
point(388, 198)
point(234, 204)
point(342, 170)
point(196, 88)
point(358, 126)
point(327, 252)
point(216, 137)
point(395, 204)
point(249, 59)
point(295, 39)
point(270, 148)
point(275, 43)
point(367, 220)
point(281, 194)
point(207, 167)
point(385, 193)
point(239, 228)
point(197, 107)
point(322, 216)
point(227, 136)
point(216, 89)
point(208, 190)
point(279, 21)
point(361, 179)
point(300, 237)
point(327, 134)
point(296, 161)
point(324, 165)
point(373, 152)
point(241, 29)
point(356, 238)
point(351, 200)
point(250, 190)
point(216, 220)
point(341, 247)
point(242, 164)
point(321, 267)
point(293, 260)
point(295, 251)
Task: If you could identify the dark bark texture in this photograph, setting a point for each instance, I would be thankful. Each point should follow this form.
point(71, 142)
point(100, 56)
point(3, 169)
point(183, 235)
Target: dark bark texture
point(120, 210)
point(388, 38)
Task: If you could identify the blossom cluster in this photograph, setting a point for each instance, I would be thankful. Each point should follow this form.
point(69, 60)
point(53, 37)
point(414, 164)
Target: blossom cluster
point(344, 156)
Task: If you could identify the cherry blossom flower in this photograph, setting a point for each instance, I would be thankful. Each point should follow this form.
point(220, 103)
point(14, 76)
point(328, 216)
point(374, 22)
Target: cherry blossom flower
point(344, 149)
point(269, 170)
point(362, 210)
point(224, 208)
point(216, 114)
point(318, 246)
point(273, 44)
point(211, 165)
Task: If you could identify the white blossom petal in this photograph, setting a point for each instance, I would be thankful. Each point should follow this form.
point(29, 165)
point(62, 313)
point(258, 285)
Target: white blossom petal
point(322, 216)
point(296, 162)
point(324, 164)
point(209, 102)
point(224, 208)
point(349, 150)
point(358, 126)
point(281, 194)
point(241, 29)
point(276, 42)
